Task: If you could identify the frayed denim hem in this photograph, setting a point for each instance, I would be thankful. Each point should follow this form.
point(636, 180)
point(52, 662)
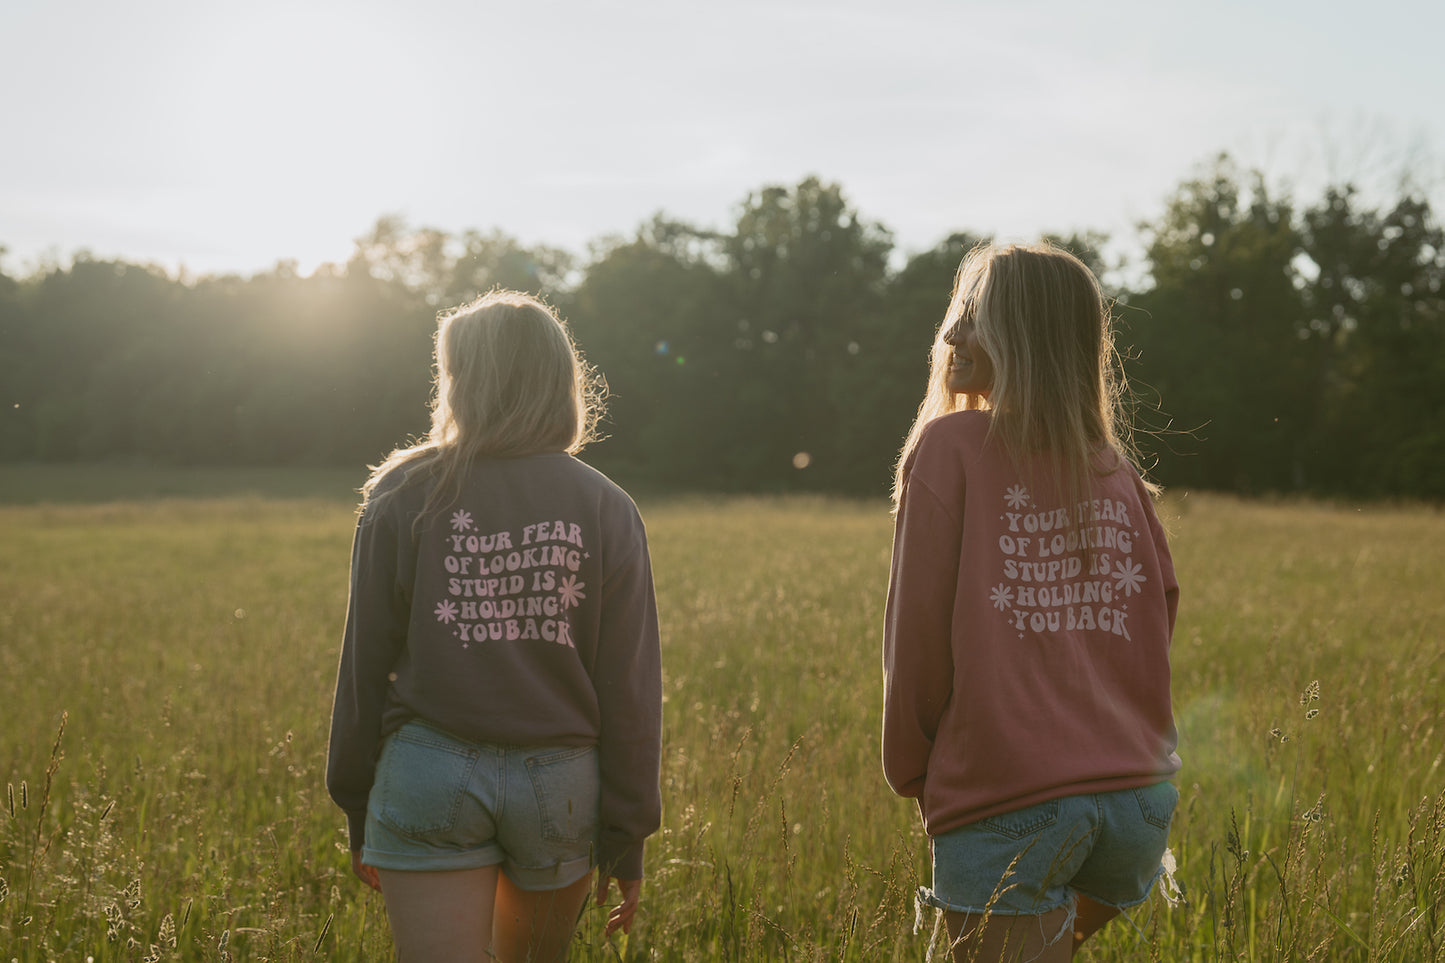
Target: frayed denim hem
point(1169, 888)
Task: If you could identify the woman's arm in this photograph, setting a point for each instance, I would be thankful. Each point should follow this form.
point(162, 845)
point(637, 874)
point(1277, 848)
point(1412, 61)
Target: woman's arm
point(376, 619)
point(918, 634)
point(628, 680)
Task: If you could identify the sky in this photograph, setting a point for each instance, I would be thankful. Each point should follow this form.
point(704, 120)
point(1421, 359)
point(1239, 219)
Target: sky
point(220, 137)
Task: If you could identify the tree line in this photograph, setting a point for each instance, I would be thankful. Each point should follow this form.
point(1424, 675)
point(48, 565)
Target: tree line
point(1272, 345)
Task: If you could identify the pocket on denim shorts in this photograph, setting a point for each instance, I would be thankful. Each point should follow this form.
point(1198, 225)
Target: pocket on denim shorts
point(421, 780)
point(1021, 823)
point(567, 785)
point(1157, 802)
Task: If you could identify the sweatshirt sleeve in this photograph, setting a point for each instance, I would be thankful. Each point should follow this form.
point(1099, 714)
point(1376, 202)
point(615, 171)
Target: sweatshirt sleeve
point(1166, 560)
point(917, 634)
point(376, 620)
point(628, 679)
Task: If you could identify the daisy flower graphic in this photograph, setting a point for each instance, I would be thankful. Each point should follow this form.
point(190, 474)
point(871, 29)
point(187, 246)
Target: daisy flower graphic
point(1001, 596)
point(1129, 577)
point(446, 610)
point(1017, 497)
point(571, 592)
point(461, 520)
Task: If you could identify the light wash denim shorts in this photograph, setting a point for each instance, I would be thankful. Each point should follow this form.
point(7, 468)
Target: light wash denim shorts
point(439, 803)
point(1108, 846)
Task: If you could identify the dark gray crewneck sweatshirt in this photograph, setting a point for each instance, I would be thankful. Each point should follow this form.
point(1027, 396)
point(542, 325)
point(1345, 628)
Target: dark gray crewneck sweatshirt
point(522, 614)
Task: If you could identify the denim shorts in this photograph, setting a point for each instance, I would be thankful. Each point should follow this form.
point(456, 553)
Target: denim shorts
point(1108, 846)
point(439, 803)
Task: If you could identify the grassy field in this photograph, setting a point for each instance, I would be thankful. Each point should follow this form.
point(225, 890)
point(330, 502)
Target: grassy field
point(166, 667)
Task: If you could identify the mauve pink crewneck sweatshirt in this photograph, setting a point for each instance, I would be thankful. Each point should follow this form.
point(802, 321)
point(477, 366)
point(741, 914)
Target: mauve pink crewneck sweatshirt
point(1016, 668)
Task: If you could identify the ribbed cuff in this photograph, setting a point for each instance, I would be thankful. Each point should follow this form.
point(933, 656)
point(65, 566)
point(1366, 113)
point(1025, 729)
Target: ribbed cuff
point(356, 827)
point(622, 863)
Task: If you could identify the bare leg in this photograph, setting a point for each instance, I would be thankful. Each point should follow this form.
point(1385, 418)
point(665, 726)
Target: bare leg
point(1092, 915)
point(1008, 938)
point(535, 927)
point(441, 917)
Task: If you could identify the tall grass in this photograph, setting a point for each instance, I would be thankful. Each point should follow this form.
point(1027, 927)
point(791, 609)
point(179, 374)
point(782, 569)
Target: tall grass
point(166, 669)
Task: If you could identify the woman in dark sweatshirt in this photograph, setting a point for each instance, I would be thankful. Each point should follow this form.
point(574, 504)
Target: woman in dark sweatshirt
point(496, 730)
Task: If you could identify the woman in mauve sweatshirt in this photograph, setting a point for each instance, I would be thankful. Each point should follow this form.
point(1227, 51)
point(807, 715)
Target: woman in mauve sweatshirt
point(1030, 606)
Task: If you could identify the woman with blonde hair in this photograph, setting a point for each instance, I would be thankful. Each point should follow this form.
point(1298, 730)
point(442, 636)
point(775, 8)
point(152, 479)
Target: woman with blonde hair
point(496, 729)
point(1030, 607)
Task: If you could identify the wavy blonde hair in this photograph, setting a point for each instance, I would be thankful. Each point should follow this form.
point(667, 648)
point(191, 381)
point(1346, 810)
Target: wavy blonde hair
point(509, 382)
point(1058, 388)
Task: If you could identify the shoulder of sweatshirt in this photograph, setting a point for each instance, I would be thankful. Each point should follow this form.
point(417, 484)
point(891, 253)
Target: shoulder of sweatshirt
point(616, 511)
point(949, 444)
point(574, 482)
point(1129, 477)
point(609, 488)
point(395, 494)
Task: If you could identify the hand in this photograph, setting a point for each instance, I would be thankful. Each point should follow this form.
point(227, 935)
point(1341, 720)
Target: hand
point(367, 874)
point(621, 916)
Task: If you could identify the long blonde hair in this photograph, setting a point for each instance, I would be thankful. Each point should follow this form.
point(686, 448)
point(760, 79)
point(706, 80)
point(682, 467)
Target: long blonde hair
point(1057, 388)
point(509, 382)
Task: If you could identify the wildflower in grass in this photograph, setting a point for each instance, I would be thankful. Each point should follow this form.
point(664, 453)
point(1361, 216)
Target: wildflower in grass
point(1311, 693)
point(1312, 713)
point(446, 610)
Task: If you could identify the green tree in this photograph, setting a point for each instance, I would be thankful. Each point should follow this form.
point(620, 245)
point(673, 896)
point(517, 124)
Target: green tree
point(93, 329)
point(337, 367)
point(414, 258)
point(1217, 336)
point(808, 280)
point(1377, 317)
point(495, 259)
point(651, 314)
point(19, 388)
point(448, 270)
